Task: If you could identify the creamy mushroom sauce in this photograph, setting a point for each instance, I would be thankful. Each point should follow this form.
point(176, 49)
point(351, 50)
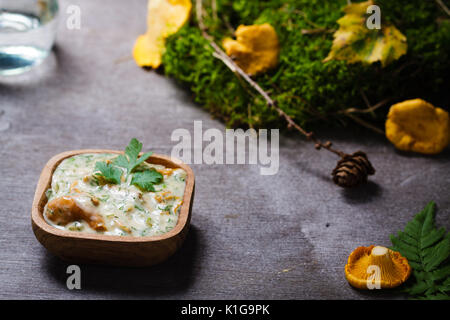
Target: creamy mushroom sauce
point(126, 210)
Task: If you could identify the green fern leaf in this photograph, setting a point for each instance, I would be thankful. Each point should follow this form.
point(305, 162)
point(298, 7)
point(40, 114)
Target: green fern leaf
point(439, 254)
point(408, 251)
point(437, 296)
point(432, 237)
point(417, 288)
point(428, 252)
point(447, 282)
point(441, 274)
point(407, 239)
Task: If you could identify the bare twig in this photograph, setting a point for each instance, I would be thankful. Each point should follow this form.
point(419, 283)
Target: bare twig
point(373, 108)
point(366, 100)
point(229, 26)
point(364, 123)
point(350, 112)
point(221, 55)
point(443, 6)
point(214, 9)
point(402, 67)
point(249, 114)
point(317, 30)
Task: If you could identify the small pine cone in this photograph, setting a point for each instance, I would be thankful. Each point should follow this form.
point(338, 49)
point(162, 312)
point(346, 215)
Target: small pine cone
point(352, 170)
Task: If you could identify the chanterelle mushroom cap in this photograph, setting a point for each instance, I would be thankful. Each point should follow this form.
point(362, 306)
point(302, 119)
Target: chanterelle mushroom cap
point(416, 125)
point(394, 268)
point(255, 49)
point(164, 18)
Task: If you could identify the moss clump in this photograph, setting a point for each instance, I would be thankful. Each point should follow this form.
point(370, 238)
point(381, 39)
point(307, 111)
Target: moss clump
point(306, 88)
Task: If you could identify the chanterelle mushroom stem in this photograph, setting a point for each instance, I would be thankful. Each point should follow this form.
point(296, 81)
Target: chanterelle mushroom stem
point(380, 257)
point(379, 251)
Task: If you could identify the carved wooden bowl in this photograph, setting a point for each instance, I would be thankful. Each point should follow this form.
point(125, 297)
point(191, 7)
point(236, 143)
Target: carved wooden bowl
point(79, 247)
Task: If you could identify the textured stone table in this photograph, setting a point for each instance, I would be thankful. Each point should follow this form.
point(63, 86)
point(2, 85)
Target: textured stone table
point(285, 236)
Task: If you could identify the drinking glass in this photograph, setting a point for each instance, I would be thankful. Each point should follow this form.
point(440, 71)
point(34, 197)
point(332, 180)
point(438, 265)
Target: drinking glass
point(27, 33)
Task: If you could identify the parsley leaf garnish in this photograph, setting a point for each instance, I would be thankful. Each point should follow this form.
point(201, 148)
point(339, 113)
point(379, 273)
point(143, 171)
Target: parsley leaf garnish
point(130, 160)
point(108, 172)
point(146, 179)
point(111, 173)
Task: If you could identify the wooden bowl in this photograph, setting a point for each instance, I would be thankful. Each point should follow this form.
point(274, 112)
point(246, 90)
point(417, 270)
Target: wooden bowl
point(107, 249)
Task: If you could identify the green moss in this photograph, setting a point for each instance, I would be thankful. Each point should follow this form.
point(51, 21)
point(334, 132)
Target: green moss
point(305, 87)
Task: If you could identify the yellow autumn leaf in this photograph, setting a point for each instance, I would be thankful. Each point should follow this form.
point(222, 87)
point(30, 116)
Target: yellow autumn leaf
point(256, 48)
point(416, 125)
point(355, 42)
point(164, 18)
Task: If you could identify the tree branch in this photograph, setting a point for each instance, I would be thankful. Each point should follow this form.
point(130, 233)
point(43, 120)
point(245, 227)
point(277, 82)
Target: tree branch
point(443, 6)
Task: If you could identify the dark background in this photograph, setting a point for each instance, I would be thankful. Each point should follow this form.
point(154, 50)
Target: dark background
point(286, 236)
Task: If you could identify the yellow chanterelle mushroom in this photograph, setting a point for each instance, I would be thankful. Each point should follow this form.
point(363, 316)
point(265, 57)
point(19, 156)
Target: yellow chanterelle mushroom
point(416, 125)
point(368, 267)
point(255, 49)
point(164, 18)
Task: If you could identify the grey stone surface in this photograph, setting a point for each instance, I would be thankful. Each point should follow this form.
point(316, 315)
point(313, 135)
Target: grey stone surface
point(285, 236)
